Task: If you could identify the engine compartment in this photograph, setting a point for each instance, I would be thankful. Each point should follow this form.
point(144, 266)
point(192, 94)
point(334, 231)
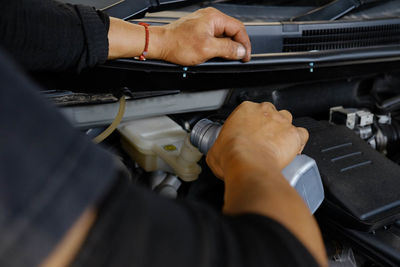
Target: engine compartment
point(354, 138)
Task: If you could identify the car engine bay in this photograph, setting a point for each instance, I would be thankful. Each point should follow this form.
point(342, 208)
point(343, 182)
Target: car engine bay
point(354, 138)
point(347, 97)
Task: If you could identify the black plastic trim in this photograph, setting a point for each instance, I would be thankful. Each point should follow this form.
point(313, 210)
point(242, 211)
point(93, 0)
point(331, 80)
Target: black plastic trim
point(273, 61)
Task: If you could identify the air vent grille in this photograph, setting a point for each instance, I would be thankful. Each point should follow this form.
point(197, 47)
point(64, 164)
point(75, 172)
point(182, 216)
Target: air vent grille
point(343, 38)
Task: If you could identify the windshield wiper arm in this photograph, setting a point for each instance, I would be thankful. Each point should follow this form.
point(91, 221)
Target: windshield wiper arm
point(332, 10)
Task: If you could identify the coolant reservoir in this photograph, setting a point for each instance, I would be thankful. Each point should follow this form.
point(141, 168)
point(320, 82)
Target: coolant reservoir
point(159, 143)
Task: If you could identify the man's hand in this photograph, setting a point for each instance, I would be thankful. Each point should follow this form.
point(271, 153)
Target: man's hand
point(256, 134)
point(193, 39)
point(255, 144)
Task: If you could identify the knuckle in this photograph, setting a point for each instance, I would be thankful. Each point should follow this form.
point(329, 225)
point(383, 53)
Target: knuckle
point(202, 50)
point(304, 133)
point(267, 105)
point(246, 105)
point(286, 113)
point(292, 131)
point(209, 10)
point(240, 25)
point(276, 117)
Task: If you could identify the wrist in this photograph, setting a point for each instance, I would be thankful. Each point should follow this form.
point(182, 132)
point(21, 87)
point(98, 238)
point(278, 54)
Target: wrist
point(256, 190)
point(242, 157)
point(157, 42)
point(128, 40)
point(250, 168)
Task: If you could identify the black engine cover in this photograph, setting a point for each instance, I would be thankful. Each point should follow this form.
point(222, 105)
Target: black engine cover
point(361, 185)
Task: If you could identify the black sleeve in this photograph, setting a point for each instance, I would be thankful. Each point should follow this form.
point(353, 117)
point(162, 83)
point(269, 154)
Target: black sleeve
point(138, 228)
point(49, 35)
point(49, 171)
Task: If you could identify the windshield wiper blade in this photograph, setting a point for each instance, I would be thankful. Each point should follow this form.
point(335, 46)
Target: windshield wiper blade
point(332, 10)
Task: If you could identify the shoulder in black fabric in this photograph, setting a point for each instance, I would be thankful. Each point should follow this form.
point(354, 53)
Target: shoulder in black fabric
point(49, 171)
point(48, 35)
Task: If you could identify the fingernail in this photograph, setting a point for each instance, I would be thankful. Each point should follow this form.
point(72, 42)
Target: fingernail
point(241, 52)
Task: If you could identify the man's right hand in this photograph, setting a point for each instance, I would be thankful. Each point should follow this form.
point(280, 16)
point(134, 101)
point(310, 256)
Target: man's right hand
point(254, 145)
point(256, 134)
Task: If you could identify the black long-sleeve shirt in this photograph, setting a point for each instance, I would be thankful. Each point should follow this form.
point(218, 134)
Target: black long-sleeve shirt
point(49, 35)
point(50, 172)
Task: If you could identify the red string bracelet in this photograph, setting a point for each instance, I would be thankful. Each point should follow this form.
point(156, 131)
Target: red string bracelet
point(146, 46)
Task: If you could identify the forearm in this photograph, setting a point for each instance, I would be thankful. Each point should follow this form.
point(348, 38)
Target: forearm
point(69, 246)
point(261, 189)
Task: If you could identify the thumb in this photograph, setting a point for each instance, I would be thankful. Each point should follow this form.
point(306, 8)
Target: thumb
point(228, 49)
